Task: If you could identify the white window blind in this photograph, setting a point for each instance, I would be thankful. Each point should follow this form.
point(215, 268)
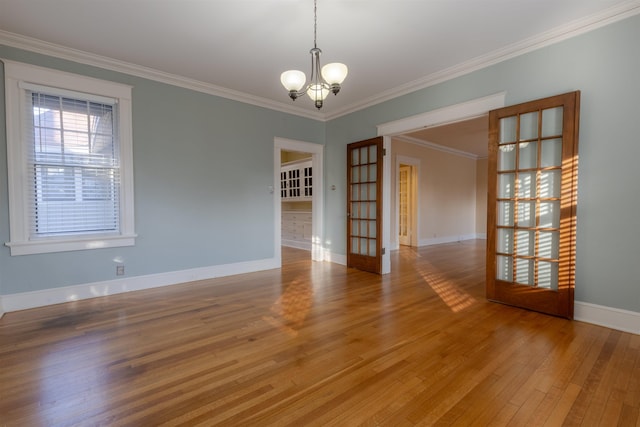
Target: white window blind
point(74, 161)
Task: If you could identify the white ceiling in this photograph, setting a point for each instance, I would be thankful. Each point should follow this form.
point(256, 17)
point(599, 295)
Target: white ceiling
point(390, 46)
point(238, 48)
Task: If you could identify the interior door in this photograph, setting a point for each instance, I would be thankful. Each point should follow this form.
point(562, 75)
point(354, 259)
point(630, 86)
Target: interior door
point(404, 205)
point(532, 189)
point(364, 210)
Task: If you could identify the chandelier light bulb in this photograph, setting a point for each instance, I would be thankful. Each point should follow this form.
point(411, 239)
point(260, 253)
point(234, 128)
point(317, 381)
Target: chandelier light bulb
point(293, 80)
point(334, 73)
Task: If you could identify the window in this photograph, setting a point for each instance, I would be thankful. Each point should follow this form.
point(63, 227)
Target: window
point(70, 161)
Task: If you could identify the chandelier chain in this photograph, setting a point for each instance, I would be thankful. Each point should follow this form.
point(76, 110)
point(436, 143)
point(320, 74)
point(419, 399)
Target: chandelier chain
point(315, 23)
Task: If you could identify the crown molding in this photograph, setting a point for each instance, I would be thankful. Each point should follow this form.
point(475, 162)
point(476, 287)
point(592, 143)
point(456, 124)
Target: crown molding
point(556, 35)
point(50, 49)
point(572, 29)
point(436, 147)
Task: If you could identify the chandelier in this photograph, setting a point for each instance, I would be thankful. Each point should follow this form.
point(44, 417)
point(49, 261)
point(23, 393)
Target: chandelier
point(323, 80)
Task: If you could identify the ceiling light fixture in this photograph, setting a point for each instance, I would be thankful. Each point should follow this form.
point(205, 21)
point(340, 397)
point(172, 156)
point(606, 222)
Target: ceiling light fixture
point(323, 80)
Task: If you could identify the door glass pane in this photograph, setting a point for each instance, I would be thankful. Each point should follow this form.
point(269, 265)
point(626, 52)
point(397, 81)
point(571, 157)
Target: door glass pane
point(355, 156)
point(355, 174)
point(505, 213)
point(355, 191)
point(548, 275)
point(505, 241)
point(524, 271)
point(364, 172)
point(525, 242)
point(363, 246)
point(373, 153)
point(508, 129)
point(372, 210)
point(506, 185)
point(527, 185)
point(354, 245)
point(372, 229)
point(504, 268)
point(526, 214)
point(551, 153)
point(507, 157)
point(373, 169)
point(364, 156)
point(364, 229)
point(354, 228)
point(548, 245)
point(363, 192)
point(549, 214)
point(528, 153)
point(552, 122)
point(355, 209)
point(550, 183)
point(372, 247)
point(372, 191)
point(529, 126)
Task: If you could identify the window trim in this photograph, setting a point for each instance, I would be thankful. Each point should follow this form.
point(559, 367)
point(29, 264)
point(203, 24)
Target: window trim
point(17, 76)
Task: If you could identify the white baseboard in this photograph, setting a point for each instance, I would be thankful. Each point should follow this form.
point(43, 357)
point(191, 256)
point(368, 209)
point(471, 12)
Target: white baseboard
point(336, 258)
point(450, 239)
point(1, 308)
point(25, 300)
point(297, 244)
point(614, 318)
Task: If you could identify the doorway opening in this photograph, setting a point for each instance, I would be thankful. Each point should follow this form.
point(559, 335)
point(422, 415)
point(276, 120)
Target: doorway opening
point(433, 119)
point(407, 204)
point(298, 197)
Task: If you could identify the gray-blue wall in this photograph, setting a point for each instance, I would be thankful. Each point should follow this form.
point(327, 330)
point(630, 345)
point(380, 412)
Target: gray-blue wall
point(202, 165)
point(604, 65)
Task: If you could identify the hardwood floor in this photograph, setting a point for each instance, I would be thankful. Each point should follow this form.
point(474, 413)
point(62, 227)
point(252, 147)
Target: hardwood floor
point(317, 344)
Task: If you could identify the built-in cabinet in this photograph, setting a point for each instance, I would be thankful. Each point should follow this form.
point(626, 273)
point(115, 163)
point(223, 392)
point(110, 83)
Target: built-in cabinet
point(296, 181)
point(296, 191)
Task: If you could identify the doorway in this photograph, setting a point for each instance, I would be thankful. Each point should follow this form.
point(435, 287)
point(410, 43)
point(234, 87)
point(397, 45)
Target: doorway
point(314, 193)
point(444, 116)
point(407, 200)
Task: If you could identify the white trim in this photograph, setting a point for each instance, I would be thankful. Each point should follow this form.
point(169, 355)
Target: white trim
point(25, 300)
point(43, 246)
point(451, 114)
point(548, 38)
point(17, 154)
point(386, 205)
point(335, 258)
point(307, 246)
point(317, 199)
point(436, 147)
point(1, 308)
point(449, 239)
point(609, 317)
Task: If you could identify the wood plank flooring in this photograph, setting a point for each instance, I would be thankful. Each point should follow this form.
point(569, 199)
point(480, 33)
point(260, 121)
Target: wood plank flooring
point(317, 344)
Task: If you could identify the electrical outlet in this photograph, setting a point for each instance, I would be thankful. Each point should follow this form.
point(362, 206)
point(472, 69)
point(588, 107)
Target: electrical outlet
point(119, 270)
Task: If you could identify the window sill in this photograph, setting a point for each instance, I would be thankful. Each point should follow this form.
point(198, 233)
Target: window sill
point(74, 244)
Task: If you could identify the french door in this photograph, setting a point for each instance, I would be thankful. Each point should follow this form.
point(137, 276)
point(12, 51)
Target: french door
point(532, 189)
point(364, 205)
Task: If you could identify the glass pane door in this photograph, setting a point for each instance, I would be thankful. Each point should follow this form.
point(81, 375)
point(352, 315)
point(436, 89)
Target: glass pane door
point(363, 203)
point(532, 204)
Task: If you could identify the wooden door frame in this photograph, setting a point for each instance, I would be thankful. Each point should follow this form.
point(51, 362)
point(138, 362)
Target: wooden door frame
point(455, 113)
point(317, 197)
point(415, 177)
